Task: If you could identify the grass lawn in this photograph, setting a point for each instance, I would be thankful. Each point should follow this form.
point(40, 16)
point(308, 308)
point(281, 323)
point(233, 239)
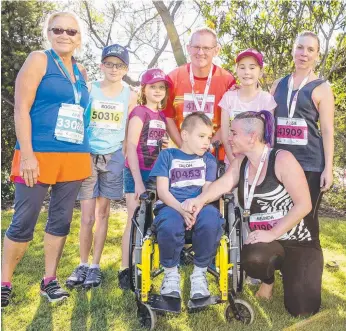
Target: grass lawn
point(108, 308)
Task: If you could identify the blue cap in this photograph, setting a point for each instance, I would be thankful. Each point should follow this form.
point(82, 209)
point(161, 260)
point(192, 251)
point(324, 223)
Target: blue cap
point(118, 51)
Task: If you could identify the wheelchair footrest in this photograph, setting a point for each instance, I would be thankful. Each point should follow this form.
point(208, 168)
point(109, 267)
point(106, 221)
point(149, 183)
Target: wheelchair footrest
point(165, 304)
point(200, 303)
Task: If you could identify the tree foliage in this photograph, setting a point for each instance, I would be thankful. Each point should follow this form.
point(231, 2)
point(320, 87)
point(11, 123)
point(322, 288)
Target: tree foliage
point(21, 33)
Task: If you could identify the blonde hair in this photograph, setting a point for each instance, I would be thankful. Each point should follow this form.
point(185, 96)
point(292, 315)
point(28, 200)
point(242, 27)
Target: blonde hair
point(49, 22)
point(202, 30)
point(309, 34)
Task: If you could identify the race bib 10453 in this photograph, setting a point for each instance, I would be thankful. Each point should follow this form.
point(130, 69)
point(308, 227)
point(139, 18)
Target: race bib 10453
point(187, 173)
point(107, 115)
point(70, 125)
point(190, 107)
point(291, 131)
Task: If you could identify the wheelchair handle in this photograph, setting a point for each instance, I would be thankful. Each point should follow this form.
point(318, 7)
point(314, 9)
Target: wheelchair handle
point(147, 196)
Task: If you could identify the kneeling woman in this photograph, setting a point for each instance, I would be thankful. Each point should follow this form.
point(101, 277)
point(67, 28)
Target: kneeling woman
point(274, 194)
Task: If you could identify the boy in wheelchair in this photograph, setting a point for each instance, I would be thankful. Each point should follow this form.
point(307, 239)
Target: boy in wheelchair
point(183, 174)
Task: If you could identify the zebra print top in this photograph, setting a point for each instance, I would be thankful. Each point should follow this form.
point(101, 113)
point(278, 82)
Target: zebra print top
point(271, 202)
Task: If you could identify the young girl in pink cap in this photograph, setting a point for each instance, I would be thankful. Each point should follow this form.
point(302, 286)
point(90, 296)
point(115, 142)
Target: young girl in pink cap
point(147, 127)
point(250, 97)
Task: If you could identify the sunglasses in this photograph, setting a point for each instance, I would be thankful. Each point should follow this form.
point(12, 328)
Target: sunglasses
point(118, 66)
point(59, 31)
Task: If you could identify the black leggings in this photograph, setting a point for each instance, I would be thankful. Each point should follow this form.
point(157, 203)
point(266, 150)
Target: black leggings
point(311, 219)
point(301, 268)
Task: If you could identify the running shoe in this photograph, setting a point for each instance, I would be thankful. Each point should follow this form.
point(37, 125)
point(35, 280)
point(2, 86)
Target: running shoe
point(5, 295)
point(77, 277)
point(93, 278)
point(124, 279)
point(53, 291)
point(171, 285)
point(199, 286)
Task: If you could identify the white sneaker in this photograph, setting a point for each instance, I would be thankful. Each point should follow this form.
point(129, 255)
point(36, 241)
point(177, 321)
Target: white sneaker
point(199, 286)
point(171, 285)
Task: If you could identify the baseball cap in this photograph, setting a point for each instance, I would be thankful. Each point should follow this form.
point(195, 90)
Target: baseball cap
point(251, 52)
point(152, 76)
point(118, 51)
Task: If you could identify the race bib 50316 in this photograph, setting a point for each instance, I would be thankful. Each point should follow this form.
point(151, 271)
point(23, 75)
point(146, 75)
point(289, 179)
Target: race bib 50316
point(107, 115)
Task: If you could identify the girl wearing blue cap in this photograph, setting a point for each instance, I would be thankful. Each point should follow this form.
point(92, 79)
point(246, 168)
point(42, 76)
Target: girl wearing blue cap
point(110, 104)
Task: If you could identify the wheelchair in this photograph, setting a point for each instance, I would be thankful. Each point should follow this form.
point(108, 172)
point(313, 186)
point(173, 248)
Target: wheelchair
point(227, 270)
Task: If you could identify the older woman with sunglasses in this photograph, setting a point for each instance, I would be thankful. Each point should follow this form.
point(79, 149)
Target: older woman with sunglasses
point(51, 151)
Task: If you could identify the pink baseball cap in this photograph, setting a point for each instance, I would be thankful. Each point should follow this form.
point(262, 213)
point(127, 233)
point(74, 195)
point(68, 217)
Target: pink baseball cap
point(152, 76)
point(251, 52)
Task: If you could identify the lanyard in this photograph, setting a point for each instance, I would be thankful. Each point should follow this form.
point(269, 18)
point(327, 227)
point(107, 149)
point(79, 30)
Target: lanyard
point(248, 196)
point(206, 90)
point(289, 93)
point(76, 87)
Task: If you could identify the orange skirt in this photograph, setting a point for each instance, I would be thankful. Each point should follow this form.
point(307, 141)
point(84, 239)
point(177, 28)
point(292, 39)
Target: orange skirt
point(56, 167)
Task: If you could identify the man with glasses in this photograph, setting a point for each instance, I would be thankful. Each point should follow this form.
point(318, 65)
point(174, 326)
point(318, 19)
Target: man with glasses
point(110, 104)
point(198, 86)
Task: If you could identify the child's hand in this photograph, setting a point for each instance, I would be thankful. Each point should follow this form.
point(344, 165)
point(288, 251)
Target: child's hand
point(165, 142)
point(192, 206)
point(139, 189)
point(188, 218)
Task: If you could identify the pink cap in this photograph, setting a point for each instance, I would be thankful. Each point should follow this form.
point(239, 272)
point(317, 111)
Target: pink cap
point(251, 52)
point(152, 76)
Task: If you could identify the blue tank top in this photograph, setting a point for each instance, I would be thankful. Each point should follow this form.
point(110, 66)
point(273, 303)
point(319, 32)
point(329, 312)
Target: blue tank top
point(311, 155)
point(107, 118)
point(54, 89)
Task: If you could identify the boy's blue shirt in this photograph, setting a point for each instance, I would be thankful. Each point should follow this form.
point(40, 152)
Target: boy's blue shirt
point(187, 173)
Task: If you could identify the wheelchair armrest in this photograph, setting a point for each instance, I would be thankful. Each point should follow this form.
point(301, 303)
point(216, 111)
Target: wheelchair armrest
point(228, 197)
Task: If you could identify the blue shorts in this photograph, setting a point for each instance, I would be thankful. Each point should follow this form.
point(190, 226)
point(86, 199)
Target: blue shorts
point(106, 179)
point(129, 182)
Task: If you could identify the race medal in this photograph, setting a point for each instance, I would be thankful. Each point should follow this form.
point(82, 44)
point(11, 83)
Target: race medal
point(185, 173)
point(291, 131)
point(190, 105)
point(107, 115)
point(246, 213)
point(70, 125)
point(156, 131)
point(249, 194)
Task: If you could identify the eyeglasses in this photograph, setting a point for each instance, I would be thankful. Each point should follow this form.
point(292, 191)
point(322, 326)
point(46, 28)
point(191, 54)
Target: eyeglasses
point(69, 32)
point(111, 65)
point(205, 50)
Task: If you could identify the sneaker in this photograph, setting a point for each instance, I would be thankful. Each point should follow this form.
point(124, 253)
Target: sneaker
point(93, 278)
point(199, 286)
point(171, 285)
point(77, 277)
point(124, 279)
point(53, 291)
point(5, 295)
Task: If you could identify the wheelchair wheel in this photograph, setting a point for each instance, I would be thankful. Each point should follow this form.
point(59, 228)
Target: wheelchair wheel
point(245, 313)
point(147, 316)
